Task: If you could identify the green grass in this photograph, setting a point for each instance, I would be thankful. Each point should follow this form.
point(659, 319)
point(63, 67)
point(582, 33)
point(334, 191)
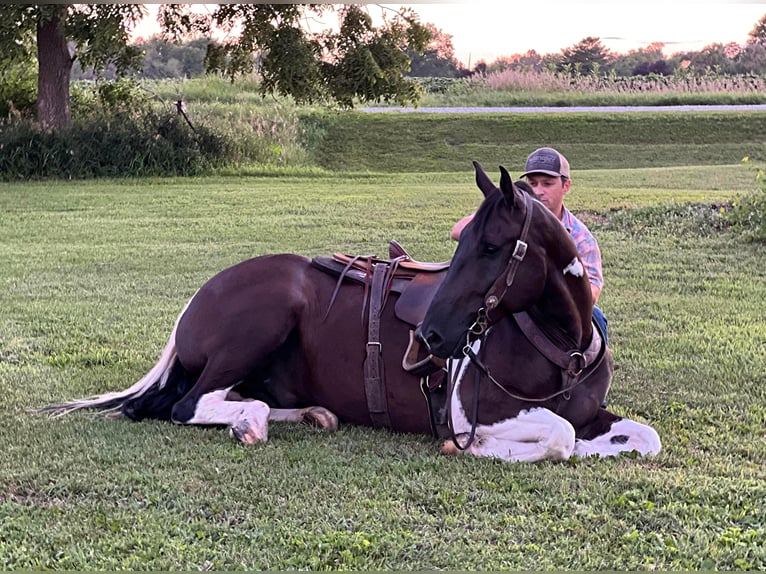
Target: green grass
point(392, 142)
point(485, 97)
point(93, 274)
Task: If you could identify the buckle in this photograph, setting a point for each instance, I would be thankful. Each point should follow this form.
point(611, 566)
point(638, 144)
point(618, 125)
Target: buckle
point(520, 250)
point(576, 361)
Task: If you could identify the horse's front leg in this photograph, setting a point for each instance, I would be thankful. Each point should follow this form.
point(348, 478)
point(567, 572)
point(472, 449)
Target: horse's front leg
point(248, 421)
point(536, 434)
point(623, 435)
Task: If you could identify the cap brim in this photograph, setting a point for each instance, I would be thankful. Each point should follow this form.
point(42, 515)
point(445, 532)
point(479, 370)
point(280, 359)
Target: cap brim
point(546, 172)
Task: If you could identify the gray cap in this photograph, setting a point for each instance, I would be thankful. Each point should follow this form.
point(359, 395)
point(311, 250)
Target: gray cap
point(548, 161)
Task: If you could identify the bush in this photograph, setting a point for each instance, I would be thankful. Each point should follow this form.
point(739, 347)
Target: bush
point(18, 89)
point(748, 214)
point(104, 145)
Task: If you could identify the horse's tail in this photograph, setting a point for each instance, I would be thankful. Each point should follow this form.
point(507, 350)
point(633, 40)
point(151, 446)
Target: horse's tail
point(157, 377)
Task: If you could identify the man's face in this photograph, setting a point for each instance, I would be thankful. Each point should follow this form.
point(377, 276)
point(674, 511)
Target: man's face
point(550, 189)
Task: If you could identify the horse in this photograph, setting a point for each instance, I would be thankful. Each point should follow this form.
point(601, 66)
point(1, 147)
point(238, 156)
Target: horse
point(444, 349)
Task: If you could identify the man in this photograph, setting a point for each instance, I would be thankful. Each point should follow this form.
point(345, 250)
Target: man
point(547, 173)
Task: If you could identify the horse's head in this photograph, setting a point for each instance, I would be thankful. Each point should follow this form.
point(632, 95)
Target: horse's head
point(512, 253)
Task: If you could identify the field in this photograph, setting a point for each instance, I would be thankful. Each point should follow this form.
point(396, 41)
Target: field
point(94, 273)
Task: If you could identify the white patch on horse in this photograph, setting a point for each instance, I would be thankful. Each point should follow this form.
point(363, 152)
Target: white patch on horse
point(624, 436)
point(248, 420)
point(575, 268)
point(536, 434)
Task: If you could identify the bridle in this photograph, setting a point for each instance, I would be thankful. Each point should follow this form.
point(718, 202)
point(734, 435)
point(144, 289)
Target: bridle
point(479, 328)
point(576, 365)
point(492, 298)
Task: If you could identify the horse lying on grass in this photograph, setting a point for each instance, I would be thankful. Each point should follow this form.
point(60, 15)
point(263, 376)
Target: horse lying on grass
point(515, 368)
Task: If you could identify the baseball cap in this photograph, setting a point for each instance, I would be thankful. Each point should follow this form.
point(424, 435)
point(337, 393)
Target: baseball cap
point(548, 161)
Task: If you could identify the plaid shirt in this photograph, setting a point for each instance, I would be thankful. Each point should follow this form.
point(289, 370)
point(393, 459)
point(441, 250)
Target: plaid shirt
point(587, 248)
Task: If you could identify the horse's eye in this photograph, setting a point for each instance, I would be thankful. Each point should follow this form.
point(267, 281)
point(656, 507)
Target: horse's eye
point(490, 249)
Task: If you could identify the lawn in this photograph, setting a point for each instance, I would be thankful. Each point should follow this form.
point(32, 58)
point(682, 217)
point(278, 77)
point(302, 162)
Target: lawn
point(93, 274)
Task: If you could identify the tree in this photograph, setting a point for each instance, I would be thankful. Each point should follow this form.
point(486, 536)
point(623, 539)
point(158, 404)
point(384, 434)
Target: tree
point(758, 33)
point(438, 59)
point(586, 56)
point(359, 61)
point(529, 61)
point(751, 60)
point(714, 57)
point(163, 59)
point(648, 60)
point(94, 34)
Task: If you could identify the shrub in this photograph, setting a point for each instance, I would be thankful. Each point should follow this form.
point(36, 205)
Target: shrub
point(105, 145)
point(18, 89)
point(748, 214)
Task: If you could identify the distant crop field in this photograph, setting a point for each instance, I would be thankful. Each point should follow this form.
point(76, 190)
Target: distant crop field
point(93, 275)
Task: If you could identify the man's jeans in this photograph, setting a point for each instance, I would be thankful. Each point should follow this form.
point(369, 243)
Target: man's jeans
point(600, 319)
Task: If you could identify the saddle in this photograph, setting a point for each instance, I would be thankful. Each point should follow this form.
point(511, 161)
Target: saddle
point(415, 283)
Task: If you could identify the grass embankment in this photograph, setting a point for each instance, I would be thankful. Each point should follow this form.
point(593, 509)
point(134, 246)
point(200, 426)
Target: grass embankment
point(281, 134)
point(385, 142)
point(93, 274)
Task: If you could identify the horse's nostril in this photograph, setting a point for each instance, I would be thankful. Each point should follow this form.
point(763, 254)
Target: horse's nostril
point(432, 340)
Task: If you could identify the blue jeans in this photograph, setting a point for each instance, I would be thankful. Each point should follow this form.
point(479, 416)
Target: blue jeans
point(600, 319)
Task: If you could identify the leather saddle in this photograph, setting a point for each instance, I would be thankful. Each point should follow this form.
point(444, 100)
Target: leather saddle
point(414, 282)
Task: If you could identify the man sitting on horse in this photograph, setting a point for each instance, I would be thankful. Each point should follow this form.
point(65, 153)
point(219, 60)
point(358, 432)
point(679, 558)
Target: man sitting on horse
point(547, 174)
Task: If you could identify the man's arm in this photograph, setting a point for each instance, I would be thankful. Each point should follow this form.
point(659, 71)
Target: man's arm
point(457, 229)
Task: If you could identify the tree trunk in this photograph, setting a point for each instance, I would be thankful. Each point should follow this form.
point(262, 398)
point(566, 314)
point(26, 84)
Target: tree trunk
point(54, 72)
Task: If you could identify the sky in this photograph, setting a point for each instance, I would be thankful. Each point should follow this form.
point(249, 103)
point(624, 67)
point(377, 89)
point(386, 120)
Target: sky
point(488, 29)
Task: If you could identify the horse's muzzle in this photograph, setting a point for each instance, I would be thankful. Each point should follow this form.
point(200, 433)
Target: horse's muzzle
point(414, 362)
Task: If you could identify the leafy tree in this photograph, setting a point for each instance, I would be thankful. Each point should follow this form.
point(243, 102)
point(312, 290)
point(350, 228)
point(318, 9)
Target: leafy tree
point(360, 61)
point(751, 60)
point(529, 61)
point(163, 59)
point(758, 33)
point(642, 62)
point(61, 33)
point(438, 59)
point(586, 56)
point(714, 57)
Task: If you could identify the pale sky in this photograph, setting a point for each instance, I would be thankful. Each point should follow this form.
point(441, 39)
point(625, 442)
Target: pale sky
point(488, 29)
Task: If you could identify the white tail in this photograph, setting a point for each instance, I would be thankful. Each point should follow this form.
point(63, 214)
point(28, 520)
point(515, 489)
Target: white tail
point(156, 377)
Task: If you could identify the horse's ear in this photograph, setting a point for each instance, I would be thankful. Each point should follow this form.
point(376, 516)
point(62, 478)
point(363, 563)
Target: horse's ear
point(512, 198)
point(482, 180)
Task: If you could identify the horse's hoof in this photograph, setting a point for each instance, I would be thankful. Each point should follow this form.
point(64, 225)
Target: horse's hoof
point(245, 433)
point(319, 417)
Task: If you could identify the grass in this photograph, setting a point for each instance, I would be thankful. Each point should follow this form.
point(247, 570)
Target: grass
point(93, 274)
point(385, 142)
